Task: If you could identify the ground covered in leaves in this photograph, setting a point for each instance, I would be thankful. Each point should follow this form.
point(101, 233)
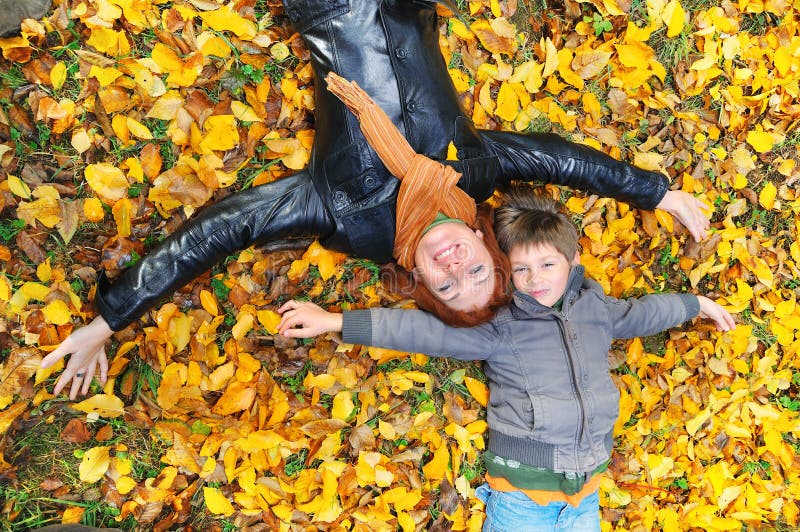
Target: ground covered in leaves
point(120, 118)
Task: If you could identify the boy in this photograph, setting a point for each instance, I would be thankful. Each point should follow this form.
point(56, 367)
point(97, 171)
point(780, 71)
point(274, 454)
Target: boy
point(552, 403)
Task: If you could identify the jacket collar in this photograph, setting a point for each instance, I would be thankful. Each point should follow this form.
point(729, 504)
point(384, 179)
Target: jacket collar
point(525, 305)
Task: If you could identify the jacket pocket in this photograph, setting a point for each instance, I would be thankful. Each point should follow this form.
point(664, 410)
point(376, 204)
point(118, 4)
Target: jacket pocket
point(351, 177)
point(305, 14)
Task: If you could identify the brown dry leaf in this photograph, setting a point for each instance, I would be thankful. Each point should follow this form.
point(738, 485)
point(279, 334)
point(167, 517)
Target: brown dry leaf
point(28, 244)
point(75, 432)
point(21, 365)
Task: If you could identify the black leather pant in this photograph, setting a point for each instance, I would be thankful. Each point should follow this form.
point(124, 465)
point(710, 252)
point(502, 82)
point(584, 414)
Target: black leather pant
point(285, 209)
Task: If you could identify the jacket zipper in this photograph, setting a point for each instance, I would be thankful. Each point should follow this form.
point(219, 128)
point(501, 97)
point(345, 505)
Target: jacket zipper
point(562, 321)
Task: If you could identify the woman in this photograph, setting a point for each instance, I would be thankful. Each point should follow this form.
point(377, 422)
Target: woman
point(346, 197)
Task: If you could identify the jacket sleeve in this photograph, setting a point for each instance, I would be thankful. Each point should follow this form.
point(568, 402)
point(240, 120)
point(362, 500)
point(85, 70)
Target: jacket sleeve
point(549, 158)
point(416, 331)
point(287, 208)
point(649, 314)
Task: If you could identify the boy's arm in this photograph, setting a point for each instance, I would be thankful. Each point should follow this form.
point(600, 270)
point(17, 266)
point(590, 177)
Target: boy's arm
point(654, 313)
point(405, 330)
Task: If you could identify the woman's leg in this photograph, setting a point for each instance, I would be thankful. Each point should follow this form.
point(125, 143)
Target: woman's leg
point(284, 209)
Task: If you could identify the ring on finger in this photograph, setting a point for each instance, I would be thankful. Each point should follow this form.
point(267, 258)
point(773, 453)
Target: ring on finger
point(80, 374)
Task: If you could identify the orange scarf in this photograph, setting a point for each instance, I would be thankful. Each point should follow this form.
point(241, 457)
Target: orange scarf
point(427, 186)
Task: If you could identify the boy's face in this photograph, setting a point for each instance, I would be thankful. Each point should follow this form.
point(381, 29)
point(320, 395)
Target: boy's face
point(540, 271)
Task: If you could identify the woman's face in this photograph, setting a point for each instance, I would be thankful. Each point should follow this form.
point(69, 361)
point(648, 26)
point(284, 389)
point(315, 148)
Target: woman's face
point(454, 264)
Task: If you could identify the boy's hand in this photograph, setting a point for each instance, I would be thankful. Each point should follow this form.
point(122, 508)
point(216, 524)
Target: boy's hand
point(714, 312)
point(303, 319)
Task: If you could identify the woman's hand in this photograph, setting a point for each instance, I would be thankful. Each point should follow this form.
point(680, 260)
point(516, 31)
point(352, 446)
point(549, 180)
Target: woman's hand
point(689, 210)
point(721, 317)
point(87, 347)
point(303, 319)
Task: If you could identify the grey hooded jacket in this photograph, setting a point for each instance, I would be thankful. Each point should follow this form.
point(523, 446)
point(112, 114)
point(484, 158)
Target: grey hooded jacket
point(552, 402)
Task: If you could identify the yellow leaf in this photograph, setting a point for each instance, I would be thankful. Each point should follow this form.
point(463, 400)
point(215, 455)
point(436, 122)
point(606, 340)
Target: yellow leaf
point(93, 209)
point(244, 322)
point(766, 198)
point(106, 76)
point(386, 430)
point(138, 130)
point(94, 464)
point(44, 271)
point(761, 141)
point(269, 320)
point(58, 75)
point(674, 17)
point(436, 469)
point(460, 29)
point(72, 515)
point(551, 57)
point(125, 485)
point(588, 63)
point(238, 396)
point(209, 302)
point(659, 466)
point(342, 406)
point(478, 390)
point(107, 181)
point(507, 103)
point(102, 405)
point(18, 187)
point(81, 140)
point(216, 502)
point(167, 106)
point(244, 112)
point(123, 212)
point(226, 19)
point(221, 133)
point(57, 312)
point(649, 160)
point(279, 51)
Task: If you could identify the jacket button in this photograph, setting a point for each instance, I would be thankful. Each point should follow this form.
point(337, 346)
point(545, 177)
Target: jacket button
point(369, 181)
point(339, 196)
point(294, 14)
point(401, 53)
point(411, 107)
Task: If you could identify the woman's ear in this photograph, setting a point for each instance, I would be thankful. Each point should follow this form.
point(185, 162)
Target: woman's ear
point(479, 233)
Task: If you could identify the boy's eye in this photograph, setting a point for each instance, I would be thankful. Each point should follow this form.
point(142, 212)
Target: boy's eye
point(549, 264)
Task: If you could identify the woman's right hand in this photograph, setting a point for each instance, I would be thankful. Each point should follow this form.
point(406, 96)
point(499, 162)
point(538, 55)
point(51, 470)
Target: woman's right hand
point(87, 347)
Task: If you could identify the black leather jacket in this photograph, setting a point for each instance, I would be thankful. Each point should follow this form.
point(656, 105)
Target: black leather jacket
point(346, 197)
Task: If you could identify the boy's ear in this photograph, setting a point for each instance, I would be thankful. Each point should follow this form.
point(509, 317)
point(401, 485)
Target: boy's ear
point(576, 259)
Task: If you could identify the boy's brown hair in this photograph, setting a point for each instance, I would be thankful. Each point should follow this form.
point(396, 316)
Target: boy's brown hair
point(527, 218)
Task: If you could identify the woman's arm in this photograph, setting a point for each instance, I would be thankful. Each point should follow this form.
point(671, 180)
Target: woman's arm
point(549, 158)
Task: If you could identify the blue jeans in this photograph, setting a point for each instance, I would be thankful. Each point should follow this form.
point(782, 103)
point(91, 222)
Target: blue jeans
point(513, 511)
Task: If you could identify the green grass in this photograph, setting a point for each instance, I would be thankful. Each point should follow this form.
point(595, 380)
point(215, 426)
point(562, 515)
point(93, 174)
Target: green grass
point(39, 453)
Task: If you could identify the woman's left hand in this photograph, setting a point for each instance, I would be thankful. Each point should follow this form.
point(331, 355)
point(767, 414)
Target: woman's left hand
point(690, 211)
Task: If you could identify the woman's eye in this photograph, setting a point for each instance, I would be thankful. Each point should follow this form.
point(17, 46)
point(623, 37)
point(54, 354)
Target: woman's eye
point(444, 288)
point(477, 269)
